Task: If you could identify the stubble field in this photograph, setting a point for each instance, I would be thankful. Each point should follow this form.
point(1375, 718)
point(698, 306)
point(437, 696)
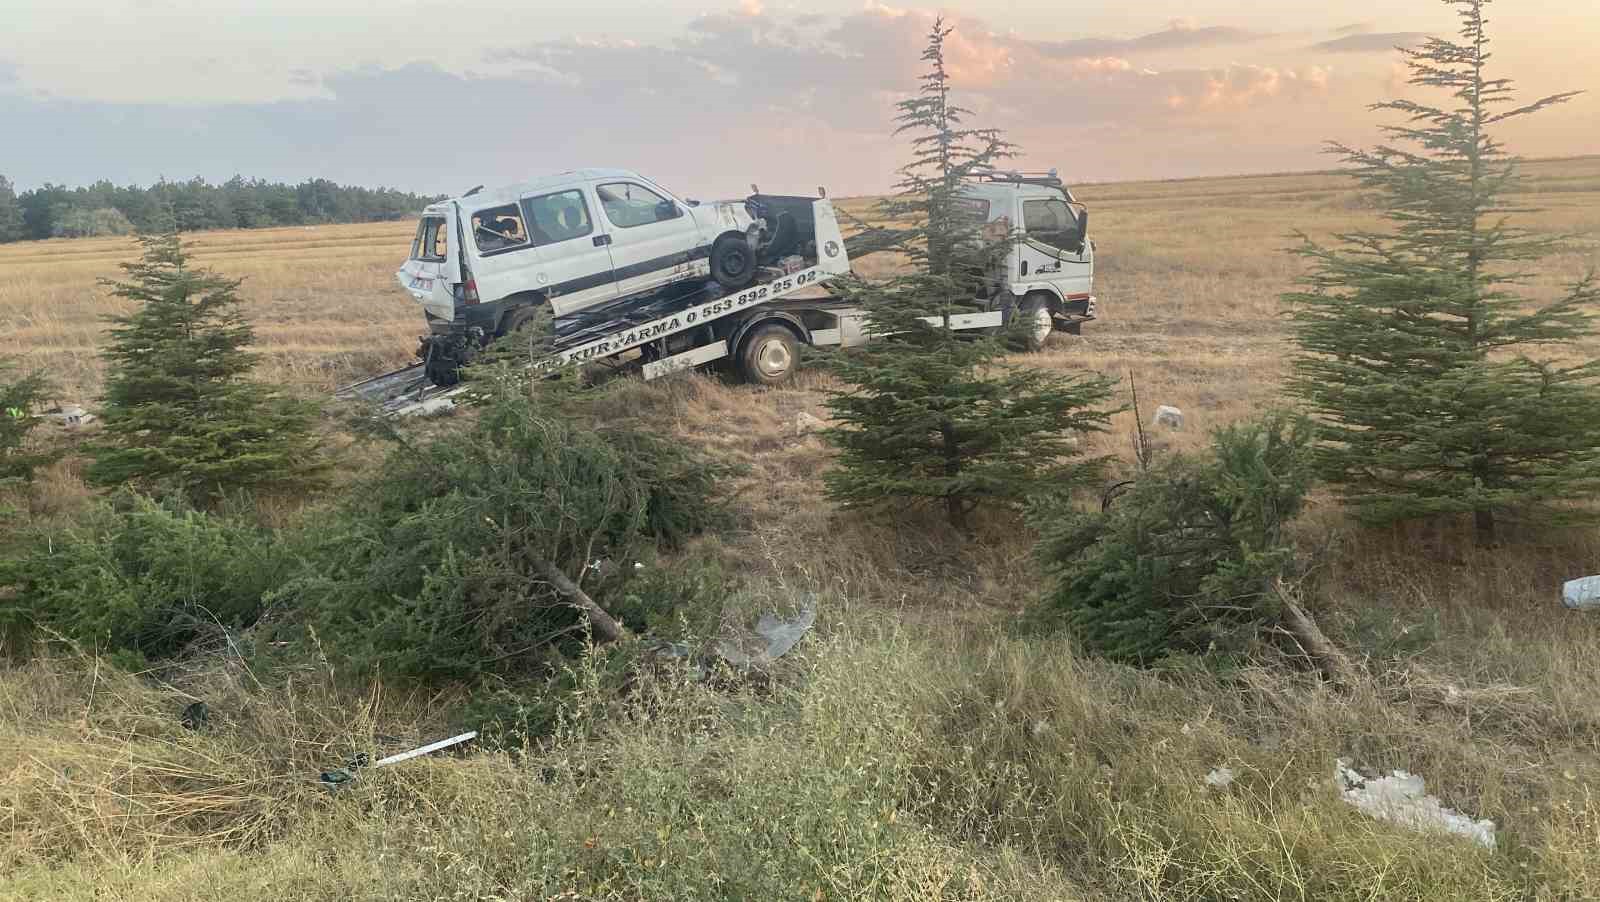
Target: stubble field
point(1189, 276)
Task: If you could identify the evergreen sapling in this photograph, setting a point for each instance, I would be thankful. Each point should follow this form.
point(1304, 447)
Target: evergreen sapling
point(932, 415)
point(1415, 342)
point(180, 409)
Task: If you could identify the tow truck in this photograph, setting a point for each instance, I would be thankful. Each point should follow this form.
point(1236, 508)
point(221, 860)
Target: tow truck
point(1045, 279)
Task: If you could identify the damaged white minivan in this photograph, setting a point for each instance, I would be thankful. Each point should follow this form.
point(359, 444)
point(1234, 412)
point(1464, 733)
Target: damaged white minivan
point(485, 262)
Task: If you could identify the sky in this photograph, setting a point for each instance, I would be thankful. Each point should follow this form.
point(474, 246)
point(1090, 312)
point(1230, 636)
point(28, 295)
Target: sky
point(710, 96)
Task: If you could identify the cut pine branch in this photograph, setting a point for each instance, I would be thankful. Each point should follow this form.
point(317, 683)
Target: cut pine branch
point(605, 625)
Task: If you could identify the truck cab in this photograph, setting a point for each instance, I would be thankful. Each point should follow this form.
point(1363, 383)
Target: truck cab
point(1047, 274)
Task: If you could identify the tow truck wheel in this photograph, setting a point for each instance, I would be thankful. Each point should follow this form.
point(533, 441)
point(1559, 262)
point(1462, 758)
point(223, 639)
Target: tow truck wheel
point(1037, 321)
point(769, 355)
point(733, 263)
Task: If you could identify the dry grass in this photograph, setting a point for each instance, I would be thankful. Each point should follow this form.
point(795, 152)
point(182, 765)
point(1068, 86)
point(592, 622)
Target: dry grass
point(323, 300)
point(887, 762)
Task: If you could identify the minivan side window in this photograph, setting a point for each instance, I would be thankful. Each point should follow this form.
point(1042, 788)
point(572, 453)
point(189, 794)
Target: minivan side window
point(432, 240)
point(561, 216)
point(499, 229)
point(1051, 222)
point(628, 205)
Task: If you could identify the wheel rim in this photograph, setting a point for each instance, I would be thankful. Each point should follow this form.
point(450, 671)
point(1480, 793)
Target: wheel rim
point(1043, 323)
point(773, 358)
point(733, 263)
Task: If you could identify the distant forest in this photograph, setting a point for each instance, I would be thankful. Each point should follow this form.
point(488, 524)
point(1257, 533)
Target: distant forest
point(55, 211)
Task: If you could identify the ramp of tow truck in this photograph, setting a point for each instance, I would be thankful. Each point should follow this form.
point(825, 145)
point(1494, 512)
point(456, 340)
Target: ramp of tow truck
point(385, 386)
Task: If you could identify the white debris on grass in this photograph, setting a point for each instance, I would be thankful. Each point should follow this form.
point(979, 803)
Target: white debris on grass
point(430, 407)
point(70, 415)
point(1220, 778)
point(1171, 417)
point(1400, 798)
point(1581, 594)
point(773, 638)
point(805, 423)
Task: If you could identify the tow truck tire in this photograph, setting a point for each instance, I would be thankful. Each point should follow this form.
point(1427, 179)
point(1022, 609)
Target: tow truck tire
point(769, 355)
point(733, 262)
point(1037, 320)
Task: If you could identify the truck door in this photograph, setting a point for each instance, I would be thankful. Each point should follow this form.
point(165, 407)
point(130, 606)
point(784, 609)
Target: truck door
point(573, 248)
point(1054, 248)
point(652, 238)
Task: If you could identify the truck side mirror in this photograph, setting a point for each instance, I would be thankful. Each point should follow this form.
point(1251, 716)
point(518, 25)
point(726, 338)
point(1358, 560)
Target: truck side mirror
point(667, 210)
point(1083, 229)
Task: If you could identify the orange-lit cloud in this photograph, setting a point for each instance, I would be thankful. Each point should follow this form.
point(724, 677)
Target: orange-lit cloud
point(754, 92)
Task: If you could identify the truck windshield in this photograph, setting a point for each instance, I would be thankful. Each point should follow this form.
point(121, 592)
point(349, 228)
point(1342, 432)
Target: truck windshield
point(1052, 221)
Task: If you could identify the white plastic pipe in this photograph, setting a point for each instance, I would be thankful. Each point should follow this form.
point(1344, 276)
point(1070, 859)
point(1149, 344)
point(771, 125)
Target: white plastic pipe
point(430, 747)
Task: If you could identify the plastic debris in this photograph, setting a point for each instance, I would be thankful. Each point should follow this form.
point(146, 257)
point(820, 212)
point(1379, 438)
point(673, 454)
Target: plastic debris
point(1400, 798)
point(1581, 594)
point(1171, 417)
point(1220, 778)
point(780, 636)
point(70, 415)
point(430, 747)
point(339, 777)
point(772, 638)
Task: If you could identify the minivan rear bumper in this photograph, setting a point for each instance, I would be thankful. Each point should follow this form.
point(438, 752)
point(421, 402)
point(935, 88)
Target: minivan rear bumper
point(484, 317)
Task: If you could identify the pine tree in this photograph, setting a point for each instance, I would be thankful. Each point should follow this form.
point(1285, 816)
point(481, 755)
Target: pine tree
point(180, 409)
point(1185, 561)
point(1414, 340)
point(931, 415)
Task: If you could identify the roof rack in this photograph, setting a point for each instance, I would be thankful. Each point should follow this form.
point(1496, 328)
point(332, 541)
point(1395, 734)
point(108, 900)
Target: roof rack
point(1016, 176)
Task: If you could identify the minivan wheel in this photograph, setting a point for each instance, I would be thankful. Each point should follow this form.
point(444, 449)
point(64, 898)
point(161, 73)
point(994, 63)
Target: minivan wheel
point(769, 355)
point(733, 263)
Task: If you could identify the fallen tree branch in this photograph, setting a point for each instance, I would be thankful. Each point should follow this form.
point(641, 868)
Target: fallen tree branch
point(1333, 662)
point(604, 624)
